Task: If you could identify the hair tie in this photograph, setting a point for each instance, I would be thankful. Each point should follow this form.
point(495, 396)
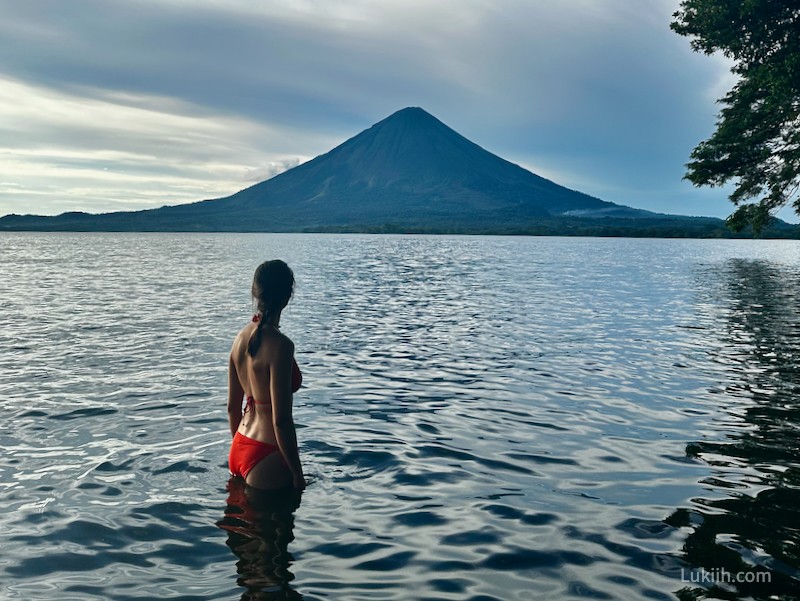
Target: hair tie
point(256, 318)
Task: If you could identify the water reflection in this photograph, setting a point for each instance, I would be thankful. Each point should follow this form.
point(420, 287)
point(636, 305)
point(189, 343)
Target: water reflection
point(495, 418)
point(750, 522)
point(260, 528)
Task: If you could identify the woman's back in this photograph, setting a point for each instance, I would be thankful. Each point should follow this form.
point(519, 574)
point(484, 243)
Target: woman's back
point(254, 377)
point(262, 371)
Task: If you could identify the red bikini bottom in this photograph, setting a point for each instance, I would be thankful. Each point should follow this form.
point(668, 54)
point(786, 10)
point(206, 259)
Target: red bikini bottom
point(246, 453)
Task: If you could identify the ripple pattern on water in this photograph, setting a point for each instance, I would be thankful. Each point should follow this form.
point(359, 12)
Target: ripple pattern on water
point(482, 418)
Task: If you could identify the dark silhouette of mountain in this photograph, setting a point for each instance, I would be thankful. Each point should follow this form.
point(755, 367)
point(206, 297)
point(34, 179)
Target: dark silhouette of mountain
point(409, 172)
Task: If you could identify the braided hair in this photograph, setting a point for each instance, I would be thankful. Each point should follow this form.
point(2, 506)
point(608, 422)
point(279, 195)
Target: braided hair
point(273, 284)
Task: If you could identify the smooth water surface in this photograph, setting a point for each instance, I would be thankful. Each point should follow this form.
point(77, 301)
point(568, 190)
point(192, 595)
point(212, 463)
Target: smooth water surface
point(482, 418)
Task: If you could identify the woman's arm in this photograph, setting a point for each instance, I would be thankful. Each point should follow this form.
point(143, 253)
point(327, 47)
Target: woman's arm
point(280, 377)
point(235, 395)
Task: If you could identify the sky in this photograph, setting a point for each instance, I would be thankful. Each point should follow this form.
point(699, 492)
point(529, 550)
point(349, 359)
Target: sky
point(110, 105)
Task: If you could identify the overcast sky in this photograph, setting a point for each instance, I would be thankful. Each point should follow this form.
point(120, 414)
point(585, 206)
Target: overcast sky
point(110, 104)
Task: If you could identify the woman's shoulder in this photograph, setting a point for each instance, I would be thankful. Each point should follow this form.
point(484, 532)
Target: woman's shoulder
point(246, 331)
point(243, 336)
point(281, 342)
point(273, 340)
point(277, 346)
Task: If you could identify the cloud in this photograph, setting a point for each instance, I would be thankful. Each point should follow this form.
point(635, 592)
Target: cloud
point(271, 169)
point(104, 151)
point(203, 96)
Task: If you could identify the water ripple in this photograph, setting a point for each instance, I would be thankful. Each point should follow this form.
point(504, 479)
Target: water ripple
point(481, 418)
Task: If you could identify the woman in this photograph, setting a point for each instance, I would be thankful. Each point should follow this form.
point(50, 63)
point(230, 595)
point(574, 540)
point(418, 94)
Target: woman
point(262, 370)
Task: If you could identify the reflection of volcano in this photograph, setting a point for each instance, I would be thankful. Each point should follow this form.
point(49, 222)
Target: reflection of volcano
point(756, 525)
point(260, 528)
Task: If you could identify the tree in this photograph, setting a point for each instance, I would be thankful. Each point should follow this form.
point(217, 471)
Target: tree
point(757, 140)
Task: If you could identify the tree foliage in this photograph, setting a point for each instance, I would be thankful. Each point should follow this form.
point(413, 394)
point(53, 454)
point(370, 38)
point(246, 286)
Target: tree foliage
point(757, 141)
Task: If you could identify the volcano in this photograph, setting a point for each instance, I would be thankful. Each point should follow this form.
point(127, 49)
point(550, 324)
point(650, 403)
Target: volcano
point(407, 173)
point(410, 169)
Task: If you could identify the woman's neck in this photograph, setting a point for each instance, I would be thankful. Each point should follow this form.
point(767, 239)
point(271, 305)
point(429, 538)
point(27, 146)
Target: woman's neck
point(274, 320)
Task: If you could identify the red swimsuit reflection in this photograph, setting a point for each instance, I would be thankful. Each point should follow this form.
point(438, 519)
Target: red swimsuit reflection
point(260, 527)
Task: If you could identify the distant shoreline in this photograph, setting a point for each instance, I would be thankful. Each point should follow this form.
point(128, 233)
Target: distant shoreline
point(589, 228)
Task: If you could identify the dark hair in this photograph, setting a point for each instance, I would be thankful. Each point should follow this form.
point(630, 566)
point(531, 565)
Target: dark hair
point(273, 284)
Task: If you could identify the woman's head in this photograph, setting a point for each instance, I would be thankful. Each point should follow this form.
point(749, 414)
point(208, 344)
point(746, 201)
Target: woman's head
point(273, 284)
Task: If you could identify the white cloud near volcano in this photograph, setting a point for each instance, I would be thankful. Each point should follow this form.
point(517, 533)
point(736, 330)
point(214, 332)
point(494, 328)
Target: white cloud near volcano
point(203, 95)
point(97, 152)
point(272, 168)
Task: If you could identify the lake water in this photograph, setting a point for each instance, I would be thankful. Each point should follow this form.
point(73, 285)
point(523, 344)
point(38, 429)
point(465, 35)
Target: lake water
point(482, 418)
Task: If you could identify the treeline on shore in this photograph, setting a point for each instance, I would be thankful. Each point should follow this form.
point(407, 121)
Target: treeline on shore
point(667, 227)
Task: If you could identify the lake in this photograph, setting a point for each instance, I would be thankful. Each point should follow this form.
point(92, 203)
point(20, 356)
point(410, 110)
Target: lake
point(481, 418)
